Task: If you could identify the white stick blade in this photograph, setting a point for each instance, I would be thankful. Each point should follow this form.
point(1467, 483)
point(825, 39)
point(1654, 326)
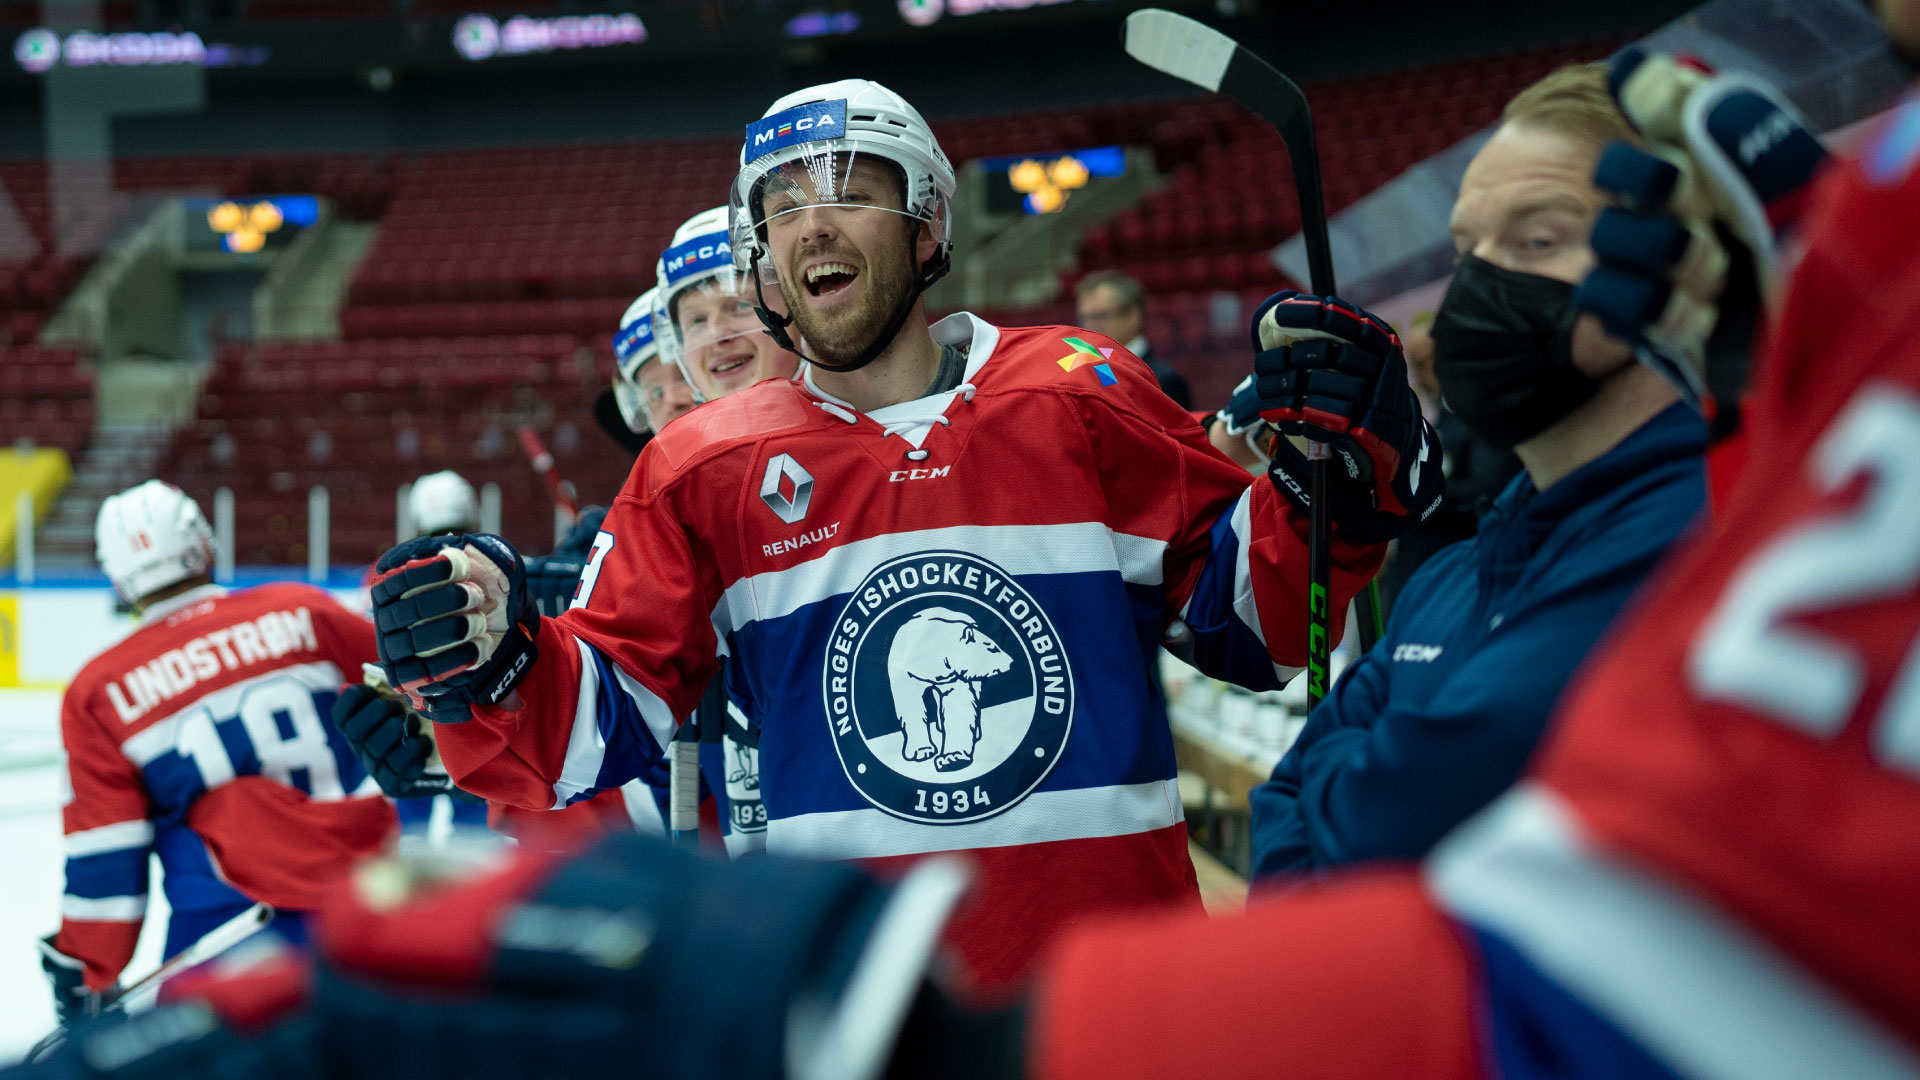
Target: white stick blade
point(1179, 46)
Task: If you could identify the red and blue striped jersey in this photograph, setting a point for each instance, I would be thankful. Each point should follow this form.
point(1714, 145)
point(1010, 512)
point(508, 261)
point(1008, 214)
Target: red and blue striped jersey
point(940, 614)
point(205, 737)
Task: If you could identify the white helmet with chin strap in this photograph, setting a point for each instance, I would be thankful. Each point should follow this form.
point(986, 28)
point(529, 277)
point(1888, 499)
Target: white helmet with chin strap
point(633, 345)
point(150, 537)
point(823, 130)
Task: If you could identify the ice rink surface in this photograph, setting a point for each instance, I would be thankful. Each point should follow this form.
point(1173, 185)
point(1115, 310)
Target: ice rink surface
point(31, 784)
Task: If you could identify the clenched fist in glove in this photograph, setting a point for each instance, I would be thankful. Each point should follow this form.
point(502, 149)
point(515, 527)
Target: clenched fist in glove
point(1334, 374)
point(1694, 244)
point(456, 627)
point(387, 738)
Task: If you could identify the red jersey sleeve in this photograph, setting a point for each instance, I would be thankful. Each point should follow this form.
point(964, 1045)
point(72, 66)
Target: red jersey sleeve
point(108, 836)
point(1353, 980)
point(635, 652)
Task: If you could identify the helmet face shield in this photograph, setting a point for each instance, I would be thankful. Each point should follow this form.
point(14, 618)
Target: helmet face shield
point(782, 199)
point(659, 393)
point(817, 172)
point(719, 342)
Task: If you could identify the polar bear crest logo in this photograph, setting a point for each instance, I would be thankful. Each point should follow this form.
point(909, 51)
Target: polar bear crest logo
point(936, 665)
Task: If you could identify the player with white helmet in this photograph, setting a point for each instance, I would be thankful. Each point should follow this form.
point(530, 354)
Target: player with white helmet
point(707, 322)
point(935, 564)
point(650, 390)
point(202, 737)
point(856, 147)
point(443, 502)
point(150, 538)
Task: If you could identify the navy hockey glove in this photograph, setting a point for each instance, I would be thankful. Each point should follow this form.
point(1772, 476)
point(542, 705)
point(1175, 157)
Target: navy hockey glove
point(387, 738)
point(1332, 373)
point(554, 580)
point(763, 969)
point(1242, 417)
point(455, 625)
point(1693, 246)
point(248, 1023)
point(71, 999)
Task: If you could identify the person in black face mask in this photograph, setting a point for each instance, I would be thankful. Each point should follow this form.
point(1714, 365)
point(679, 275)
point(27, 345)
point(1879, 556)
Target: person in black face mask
point(1444, 712)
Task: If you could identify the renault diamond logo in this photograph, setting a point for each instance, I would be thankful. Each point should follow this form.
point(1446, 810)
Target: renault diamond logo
point(787, 488)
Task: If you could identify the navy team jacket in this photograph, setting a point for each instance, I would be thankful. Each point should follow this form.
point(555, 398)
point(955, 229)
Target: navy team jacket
point(1444, 712)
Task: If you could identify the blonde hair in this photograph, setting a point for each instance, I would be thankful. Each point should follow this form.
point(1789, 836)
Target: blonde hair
point(1572, 100)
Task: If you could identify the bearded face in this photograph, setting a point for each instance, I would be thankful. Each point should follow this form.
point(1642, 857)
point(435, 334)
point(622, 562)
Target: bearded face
point(845, 266)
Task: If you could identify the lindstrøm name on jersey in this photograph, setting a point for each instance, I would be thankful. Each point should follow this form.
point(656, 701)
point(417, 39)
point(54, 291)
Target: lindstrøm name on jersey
point(947, 690)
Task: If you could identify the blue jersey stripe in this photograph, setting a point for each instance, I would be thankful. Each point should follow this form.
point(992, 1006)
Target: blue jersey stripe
point(1222, 645)
point(110, 873)
point(1102, 625)
point(1541, 1032)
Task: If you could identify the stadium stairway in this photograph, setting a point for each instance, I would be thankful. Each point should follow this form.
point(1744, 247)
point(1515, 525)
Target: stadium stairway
point(118, 458)
point(303, 303)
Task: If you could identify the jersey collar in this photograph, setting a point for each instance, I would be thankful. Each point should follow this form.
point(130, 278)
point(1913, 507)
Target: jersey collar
point(154, 612)
point(961, 328)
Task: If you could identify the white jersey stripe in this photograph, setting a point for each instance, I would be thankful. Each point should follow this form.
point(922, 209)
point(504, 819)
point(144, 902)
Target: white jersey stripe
point(641, 809)
point(143, 747)
point(103, 909)
point(1044, 816)
point(1700, 992)
point(1078, 547)
point(120, 836)
point(1244, 604)
point(586, 747)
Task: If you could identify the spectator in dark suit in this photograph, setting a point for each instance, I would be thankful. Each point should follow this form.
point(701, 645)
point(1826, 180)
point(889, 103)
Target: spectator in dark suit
point(1113, 304)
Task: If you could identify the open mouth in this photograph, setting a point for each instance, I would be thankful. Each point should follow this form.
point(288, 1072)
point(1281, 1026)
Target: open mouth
point(730, 363)
point(828, 278)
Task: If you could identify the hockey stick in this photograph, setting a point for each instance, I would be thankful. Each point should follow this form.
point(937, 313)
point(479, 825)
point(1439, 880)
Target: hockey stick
point(1196, 53)
point(211, 944)
point(683, 783)
point(549, 473)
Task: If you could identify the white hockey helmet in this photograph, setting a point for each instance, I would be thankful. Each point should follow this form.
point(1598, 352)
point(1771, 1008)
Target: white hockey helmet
point(633, 345)
point(701, 254)
point(443, 502)
point(800, 154)
point(149, 537)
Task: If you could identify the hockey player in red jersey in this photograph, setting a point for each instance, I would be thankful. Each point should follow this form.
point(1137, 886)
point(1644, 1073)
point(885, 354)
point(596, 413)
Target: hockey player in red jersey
point(937, 564)
point(202, 738)
point(1711, 873)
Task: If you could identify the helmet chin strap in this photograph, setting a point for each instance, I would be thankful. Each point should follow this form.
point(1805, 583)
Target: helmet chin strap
point(776, 323)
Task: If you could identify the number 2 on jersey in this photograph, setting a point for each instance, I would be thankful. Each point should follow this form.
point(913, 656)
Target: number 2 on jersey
point(1750, 651)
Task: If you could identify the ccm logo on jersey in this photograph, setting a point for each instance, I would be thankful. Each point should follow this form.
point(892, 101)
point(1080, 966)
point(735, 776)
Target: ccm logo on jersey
point(1418, 654)
point(901, 476)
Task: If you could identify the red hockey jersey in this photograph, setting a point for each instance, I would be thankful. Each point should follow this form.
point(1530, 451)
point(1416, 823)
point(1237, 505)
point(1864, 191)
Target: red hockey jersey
point(1715, 868)
point(940, 614)
point(206, 737)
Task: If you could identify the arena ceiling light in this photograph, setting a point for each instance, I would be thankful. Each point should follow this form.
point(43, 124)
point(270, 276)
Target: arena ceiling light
point(482, 37)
